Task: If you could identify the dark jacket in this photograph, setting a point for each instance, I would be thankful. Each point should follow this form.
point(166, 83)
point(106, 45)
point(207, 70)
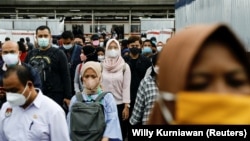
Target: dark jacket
point(74, 59)
point(138, 69)
point(57, 85)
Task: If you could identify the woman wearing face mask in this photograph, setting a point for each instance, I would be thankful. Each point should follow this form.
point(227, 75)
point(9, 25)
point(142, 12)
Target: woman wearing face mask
point(116, 78)
point(207, 83)
point(91, 78)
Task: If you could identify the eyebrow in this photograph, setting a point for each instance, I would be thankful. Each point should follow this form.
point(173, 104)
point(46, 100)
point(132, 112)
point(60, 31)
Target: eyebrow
point(11, 89)
point(237, 71)
point(204, 74)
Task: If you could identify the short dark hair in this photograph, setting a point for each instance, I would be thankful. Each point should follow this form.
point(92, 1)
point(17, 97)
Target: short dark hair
point(23, 73)
point(27, 39)
point(133, 39)
point(147, 40)
point(7, 38)
point(80, 37)
point(67, 35)
point(22, 40)
point(100, 49)
point(43, 27)
point(21, 46)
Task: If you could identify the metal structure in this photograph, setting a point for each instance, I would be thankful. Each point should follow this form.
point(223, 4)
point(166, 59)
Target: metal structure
point(85, 9)
point(89, 13)
point(235, 13)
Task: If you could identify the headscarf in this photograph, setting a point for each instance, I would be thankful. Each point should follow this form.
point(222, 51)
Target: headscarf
point(179, 53)
point(96, 66)
point(113, 64)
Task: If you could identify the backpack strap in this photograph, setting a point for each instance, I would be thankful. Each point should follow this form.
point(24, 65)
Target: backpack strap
point(80, 67)
point(79, 96)
point(101, 96)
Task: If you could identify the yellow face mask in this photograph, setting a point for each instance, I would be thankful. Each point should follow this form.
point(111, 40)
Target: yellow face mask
point(206, 108)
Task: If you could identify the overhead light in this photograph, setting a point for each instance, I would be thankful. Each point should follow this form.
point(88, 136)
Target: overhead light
point(75, 10)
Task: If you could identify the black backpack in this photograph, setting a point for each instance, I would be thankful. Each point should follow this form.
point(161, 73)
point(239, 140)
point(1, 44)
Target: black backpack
point(87, 120)
point(42, 64)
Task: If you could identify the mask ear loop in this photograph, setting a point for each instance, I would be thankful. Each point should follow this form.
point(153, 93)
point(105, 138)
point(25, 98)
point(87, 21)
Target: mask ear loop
point(165, 96)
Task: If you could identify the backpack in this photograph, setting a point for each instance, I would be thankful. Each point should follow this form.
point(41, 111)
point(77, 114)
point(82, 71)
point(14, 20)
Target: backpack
point(42, 64)
point(87, 120)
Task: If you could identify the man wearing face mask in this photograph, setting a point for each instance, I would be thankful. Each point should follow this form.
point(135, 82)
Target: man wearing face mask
point(11, 57)
point(28, 114)
point(55, 76)
point(147, 50)
point(72, 51)
point(138, 65)
point(146, 96)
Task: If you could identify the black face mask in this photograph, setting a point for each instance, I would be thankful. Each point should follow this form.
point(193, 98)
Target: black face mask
point(135, 50)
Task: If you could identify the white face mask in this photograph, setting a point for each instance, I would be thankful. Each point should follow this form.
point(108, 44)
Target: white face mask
point(43, 42)
point(101, 44)
point(112, 53)
point(143, 39)
point(100, 57)
point(67, 46)
point(17, 99)
point(159, 48)
point(10, 59)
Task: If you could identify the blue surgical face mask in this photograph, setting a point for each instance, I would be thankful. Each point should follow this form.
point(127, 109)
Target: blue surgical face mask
point(67, 46)
point(146, 50)
point(43, 42)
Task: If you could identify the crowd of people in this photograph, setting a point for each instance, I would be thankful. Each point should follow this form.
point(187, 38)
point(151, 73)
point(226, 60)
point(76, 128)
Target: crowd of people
point(149, 82)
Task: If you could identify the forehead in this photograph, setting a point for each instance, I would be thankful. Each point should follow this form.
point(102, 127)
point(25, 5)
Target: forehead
point(9, 46)
point(147, 43)
point(159, 43)
point(135, 43)
point(11, 81)
point(43, 32)
point(68, 40)
point(208, 58)
point(89, 71)
point(87, 39)
point(78, 39)
point(113, 43)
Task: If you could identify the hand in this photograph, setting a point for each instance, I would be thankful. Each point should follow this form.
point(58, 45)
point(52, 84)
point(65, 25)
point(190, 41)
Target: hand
point(67, 101)
point(105, 139)
point(125, 113)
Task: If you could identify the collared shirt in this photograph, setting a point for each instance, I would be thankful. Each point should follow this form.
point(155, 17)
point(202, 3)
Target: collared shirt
point(113, 129)
point(146, 95)
point(43, 120)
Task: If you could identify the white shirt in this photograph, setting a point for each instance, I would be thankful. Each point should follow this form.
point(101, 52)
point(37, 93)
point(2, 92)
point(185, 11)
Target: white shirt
point(43, 120)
